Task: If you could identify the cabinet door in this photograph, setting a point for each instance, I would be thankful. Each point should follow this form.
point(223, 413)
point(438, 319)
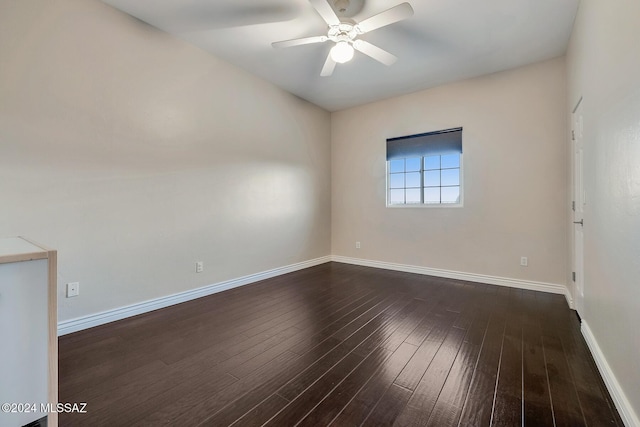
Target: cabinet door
point(23, 338)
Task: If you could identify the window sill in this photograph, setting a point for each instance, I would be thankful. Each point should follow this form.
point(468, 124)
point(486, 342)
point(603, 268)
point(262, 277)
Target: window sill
point(422, 206)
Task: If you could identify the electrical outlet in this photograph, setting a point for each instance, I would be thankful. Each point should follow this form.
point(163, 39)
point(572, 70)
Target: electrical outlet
point(524, 261)
point(357, 245)
point(73, 289)
point(199, 266)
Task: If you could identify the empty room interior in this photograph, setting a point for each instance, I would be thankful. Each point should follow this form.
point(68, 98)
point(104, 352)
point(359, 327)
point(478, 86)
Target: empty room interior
point(319, 213)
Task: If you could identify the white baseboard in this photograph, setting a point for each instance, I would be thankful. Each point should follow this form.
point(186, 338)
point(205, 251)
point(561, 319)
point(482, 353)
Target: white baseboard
point(85, 322)
point(623, 405)
point(471, 277)
point(569, 296)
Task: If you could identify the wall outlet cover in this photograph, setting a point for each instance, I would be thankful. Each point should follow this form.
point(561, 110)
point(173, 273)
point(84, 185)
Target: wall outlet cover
point(73, 289)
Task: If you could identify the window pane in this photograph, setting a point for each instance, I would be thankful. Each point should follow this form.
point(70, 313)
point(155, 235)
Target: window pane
point(396, 165)
point(396, 180)
point(451, 177)
point(451, 195)
point(413, 164)
point(413, 180)
point(451, 161)
point(396, 197)
point(432, 162)
point(432, 195)
point(432, 178)
point(413, 195)
point(428, 180)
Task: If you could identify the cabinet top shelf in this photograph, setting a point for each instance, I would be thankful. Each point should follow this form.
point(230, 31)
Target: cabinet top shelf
point(16, 249)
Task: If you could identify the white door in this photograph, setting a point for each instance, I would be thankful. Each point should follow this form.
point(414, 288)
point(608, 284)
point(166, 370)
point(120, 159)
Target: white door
point(579, 201)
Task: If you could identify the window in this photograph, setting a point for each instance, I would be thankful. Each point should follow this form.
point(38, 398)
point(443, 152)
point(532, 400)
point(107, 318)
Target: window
point(425, 170)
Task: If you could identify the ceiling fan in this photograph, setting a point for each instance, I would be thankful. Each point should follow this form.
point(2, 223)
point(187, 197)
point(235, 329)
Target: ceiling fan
point(344, 32)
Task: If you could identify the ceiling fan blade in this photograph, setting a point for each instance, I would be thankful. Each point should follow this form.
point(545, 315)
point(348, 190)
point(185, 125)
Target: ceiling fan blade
point(395, 14)
point(375, 52)
point(298, 42)
point(329, 66)
point(325, 11)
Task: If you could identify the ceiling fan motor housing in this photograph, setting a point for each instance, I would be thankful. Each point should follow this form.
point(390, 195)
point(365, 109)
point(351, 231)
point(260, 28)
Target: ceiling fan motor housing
point(343, 32)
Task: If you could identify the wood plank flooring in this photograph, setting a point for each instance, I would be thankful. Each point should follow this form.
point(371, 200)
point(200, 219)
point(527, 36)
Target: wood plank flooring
point(340, 345)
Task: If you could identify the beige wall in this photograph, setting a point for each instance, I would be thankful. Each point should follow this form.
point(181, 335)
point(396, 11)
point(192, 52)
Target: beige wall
point(135, 154)
point(515, 157)
point(603, 67)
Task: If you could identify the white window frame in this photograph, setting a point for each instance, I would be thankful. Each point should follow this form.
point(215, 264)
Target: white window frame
point(422, 187)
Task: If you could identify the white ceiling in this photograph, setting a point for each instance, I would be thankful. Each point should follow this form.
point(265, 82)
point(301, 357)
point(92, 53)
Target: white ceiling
point(444, 41)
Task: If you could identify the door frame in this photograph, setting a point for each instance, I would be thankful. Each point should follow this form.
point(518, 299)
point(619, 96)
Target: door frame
point(578, 206)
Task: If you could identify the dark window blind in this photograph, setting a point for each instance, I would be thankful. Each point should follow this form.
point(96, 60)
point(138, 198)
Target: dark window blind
point(425, 144)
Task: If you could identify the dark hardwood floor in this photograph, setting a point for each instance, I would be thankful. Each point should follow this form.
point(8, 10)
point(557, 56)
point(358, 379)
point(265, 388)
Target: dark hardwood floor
point(340, 345)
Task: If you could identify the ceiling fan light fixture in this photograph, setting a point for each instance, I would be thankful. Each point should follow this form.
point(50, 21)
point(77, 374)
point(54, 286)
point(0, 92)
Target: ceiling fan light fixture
point(342, 52)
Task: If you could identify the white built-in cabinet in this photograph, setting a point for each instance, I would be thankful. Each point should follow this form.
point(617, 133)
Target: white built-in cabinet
point(28, 332)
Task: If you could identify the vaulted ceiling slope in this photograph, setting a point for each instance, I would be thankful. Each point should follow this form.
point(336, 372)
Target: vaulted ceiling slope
point(444, 41)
